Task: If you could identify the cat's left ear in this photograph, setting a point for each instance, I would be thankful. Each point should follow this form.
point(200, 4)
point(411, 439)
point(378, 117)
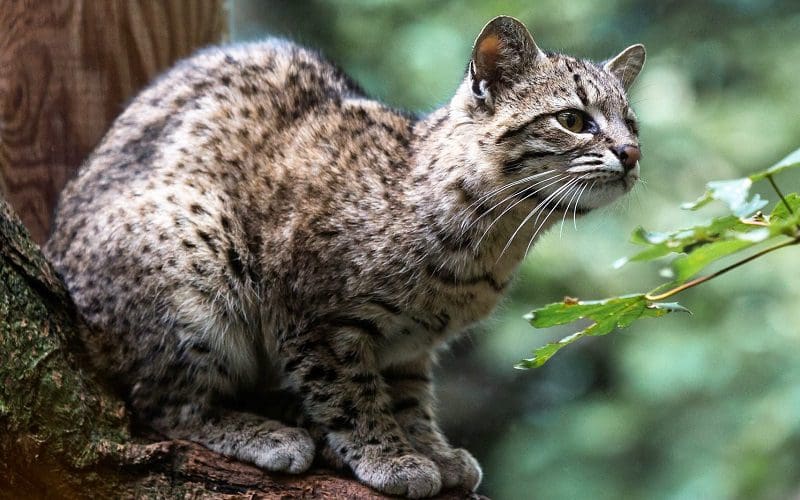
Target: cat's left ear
point(627, 65)
point(502, 51)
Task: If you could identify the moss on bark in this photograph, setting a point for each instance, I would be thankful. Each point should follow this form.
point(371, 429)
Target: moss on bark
point(53, 413)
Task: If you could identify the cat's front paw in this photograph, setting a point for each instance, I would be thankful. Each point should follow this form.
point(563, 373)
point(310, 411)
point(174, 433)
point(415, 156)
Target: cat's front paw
point(413, 476)
point(290, 450)
point(458, 468)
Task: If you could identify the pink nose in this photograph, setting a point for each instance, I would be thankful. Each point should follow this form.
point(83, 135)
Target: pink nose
point(628, 155)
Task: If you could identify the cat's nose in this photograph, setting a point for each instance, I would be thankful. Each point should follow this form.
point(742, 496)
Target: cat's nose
point(628, 155)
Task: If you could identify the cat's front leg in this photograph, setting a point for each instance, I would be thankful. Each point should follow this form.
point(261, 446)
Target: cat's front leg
point(332, 368)
point(411, 389)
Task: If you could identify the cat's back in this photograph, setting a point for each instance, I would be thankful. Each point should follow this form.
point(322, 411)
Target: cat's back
point(196, 132)
point(220, 100)
point(170, 194)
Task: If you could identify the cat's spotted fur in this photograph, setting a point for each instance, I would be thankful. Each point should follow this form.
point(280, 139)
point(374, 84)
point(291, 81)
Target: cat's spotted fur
point(254, 223)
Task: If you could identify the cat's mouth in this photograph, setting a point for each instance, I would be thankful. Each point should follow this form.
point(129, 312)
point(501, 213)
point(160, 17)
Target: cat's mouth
point(607, 190)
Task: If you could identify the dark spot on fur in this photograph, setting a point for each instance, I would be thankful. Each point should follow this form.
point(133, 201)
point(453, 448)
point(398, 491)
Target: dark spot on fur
point(292, 364)
point(451, 279)
point(235, 261)
point(365, 325)
point(363, 378)
point(514, 166)
point(405, 404)
point(341, 423)
point(207, 239)
point(319, 372)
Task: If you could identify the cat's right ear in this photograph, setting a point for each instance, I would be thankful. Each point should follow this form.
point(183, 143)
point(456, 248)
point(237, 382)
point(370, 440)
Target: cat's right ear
point(503, 50)
point(627, 64)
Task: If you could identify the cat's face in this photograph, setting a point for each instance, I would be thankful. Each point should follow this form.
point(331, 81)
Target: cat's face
point(560, 131)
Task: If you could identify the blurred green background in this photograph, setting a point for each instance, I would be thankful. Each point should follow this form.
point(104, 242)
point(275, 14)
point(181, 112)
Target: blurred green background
point(685, 407)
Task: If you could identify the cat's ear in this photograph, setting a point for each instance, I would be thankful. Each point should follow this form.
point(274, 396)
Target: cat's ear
point(503, 50)
point(627, 65)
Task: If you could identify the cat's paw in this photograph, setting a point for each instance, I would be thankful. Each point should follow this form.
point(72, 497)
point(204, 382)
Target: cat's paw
point(290, 450)
point(458, 468)
point(413, 476)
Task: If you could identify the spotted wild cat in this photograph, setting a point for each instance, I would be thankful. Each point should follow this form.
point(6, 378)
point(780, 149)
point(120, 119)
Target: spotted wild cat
point(254, 223)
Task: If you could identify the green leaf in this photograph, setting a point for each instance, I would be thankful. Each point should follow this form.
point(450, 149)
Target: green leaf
point(670, 307)
point(606, 315)
point(731, 192)
point(792, 160)
point(688, 265)
point(735, 192)
point(683, 241)
point(782, 213)
point(544, 353)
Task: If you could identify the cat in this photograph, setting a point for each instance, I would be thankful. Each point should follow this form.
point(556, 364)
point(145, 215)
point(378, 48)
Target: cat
point(254, 223)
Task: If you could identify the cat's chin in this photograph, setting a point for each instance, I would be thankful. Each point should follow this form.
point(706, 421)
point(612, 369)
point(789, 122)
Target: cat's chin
point(606, 193)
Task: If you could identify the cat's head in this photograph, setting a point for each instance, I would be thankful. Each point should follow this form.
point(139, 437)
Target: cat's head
point(561, 126)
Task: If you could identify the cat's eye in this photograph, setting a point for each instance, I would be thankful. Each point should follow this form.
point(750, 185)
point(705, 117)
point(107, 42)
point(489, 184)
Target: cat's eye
point(574, 121)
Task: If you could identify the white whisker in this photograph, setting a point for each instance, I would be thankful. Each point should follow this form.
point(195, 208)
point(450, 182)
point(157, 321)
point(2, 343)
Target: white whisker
point(474, 205)
point(540, 226)
point(544, 221)
point(514, 195)
point(584, 167)
point(527, 196)
point(534, 211)
point(575, 191)
point(575, 208)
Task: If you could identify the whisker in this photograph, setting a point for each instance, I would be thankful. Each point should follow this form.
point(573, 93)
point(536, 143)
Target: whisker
point(533, 212)
point(462, 123)
point(544, 221)
point(575, 209)
point(588, 167)
point(550, 181)
point(575, 191)
point(527, 196)
point(540, 226)
point(508, 185)
point(474, 205)
point(637, 195)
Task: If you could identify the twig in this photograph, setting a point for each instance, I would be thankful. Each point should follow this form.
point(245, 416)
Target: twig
point(703, 279)
point(775, 187)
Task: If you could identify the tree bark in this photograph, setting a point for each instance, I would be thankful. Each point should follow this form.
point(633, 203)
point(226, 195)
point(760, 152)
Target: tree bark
point(68, 67)
point(64, 434)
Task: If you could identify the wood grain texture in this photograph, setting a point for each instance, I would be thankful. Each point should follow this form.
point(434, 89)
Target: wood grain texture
point(68, 68)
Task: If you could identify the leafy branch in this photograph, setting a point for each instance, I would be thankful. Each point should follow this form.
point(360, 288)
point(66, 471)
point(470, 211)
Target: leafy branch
point(696, 248)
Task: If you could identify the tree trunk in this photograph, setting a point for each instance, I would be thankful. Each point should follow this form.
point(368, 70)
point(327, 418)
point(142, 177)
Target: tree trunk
point(67, 67)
